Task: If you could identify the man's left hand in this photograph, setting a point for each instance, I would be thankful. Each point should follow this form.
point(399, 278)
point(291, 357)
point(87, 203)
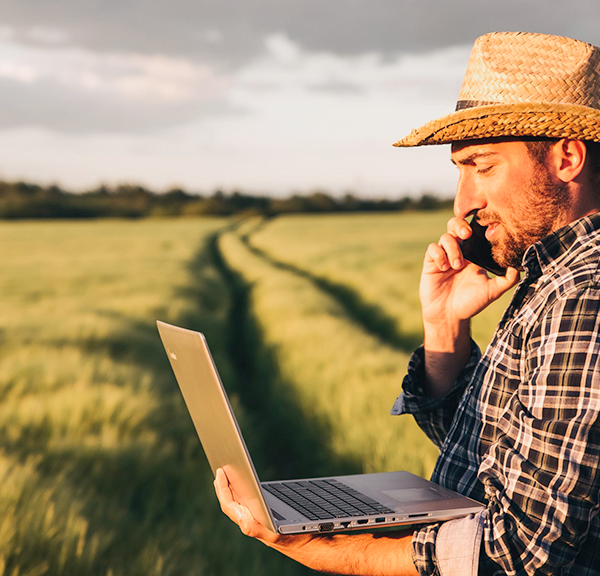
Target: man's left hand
point(363, 553)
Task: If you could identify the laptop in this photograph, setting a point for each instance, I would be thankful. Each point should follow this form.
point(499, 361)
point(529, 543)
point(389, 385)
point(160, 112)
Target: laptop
point(328, 504)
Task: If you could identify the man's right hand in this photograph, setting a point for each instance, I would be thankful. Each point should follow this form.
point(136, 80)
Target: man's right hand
point(452, 291)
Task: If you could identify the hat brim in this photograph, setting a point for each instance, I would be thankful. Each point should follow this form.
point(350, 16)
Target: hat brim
point(498, 120)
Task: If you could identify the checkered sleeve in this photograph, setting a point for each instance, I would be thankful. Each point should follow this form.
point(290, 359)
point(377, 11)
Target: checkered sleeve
point(542, 474)
point(433, 415)
point(449, 548)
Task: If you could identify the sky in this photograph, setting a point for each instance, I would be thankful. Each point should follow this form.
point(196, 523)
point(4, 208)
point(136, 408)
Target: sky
point(262, 96)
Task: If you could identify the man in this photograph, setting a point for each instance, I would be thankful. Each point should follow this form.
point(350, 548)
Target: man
point(518, 427)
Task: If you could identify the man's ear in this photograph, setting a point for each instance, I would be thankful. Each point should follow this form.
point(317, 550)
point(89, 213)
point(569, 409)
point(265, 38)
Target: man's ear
point(567, 158)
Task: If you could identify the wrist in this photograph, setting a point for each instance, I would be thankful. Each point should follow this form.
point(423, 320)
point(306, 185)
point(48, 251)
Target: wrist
point(447, 336)
point(447, 349)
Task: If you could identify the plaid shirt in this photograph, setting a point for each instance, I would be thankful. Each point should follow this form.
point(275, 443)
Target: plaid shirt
point(520, 429)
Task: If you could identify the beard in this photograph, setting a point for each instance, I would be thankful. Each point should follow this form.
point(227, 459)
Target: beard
point(537, 214)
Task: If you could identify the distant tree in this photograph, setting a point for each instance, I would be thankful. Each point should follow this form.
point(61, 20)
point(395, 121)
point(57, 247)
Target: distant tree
point(26, 189)
point(25, 200)
point(350, 202)
point(321, 202)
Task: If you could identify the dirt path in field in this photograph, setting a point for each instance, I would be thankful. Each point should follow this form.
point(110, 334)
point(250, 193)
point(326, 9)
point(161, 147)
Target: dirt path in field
point(366, 315)
point(287, 442)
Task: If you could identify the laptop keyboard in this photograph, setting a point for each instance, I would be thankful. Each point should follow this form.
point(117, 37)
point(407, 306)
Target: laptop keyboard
point(325, 499)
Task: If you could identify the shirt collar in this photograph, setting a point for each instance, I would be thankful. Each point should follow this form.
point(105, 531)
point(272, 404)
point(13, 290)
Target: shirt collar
point(548, 252)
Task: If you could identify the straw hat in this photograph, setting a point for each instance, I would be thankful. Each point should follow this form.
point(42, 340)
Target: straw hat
point(522, 84)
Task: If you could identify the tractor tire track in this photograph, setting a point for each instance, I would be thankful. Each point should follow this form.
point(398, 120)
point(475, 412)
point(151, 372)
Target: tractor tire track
point(290, 441)
point(367, 316)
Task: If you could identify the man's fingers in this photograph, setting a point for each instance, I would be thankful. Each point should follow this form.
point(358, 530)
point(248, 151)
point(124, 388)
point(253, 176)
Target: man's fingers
point(254, 529)
point(436, 254)
point(450, 245)
point(249, 525)
point(446, 254)
point(459, 227)
point(234, 510)
point(228, 505)
point(239, 513)
point(222, 488)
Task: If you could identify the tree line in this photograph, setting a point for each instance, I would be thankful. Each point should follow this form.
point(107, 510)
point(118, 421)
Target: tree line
point(20, 200)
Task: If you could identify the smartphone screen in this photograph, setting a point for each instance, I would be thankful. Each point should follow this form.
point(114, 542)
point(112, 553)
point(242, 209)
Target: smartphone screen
point(477, 249)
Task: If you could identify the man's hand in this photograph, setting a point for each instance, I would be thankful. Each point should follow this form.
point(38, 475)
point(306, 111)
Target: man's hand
point(365, 554)
point(240, 514)
point(452, 291)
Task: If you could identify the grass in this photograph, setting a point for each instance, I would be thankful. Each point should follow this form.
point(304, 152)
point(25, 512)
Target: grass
point(101, 471)
point(343, 378)
point(378, 257)
point(311, 320)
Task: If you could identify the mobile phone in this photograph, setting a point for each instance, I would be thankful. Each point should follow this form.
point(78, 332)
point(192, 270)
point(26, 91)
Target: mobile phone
point(477, 249)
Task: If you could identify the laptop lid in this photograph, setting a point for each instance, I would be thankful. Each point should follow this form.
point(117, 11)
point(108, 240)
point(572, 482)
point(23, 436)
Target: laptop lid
point(213, 417)
point(409, 498)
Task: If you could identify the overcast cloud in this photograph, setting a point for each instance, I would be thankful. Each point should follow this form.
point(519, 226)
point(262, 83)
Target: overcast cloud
point(231, 32)
point(264, 95)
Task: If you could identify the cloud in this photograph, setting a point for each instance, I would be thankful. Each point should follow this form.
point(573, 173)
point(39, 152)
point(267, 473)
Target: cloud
point(69, 89)
point(292, 137)
point(75, 90)
point(264, 95)
point(229, 33)
point(83, 65)
point(337, 87)
point(46, 36)
point(46, 103)
point(286, 66)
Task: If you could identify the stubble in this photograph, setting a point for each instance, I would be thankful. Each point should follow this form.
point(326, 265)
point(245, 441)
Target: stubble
point(538, 212)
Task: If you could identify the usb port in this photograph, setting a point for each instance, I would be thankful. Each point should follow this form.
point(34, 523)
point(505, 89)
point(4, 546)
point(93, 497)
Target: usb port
point(379, 519)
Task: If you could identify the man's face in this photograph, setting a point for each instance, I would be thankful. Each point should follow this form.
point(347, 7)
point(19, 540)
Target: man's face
point(518, 199)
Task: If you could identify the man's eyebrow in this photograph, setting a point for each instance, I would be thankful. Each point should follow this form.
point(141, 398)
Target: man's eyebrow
point(472, 157)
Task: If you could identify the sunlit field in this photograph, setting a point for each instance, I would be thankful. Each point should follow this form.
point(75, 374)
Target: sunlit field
point(100, 468)
point(311, 320)
point(342, 378)
point(376, 258)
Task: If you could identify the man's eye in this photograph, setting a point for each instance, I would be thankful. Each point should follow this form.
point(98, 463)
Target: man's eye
point(484, 170)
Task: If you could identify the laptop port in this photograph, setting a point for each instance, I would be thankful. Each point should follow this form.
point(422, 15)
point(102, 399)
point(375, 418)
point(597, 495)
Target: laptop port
point(418, 515)
point(379, 520)
point(366, 521)
point(345, 524)
point(326, 527)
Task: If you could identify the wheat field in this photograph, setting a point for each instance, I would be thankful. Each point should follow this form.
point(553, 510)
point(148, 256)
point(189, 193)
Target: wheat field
point(311, 320)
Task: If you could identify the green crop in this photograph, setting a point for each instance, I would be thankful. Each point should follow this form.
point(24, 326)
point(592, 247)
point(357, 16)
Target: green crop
point(311, 320)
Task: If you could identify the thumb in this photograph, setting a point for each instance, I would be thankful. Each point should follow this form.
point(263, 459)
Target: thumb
point(501, 284)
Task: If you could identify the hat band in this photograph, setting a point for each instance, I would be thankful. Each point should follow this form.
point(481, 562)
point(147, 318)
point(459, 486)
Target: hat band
point(464, 104)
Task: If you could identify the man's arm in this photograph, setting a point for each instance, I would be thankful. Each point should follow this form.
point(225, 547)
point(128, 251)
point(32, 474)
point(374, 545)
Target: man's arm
point(452, 291)
point(433, 415)
point(542, 475)
point(360, 554)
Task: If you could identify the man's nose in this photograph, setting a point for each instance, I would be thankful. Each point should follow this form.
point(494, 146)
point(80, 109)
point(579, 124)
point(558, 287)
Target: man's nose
point(468, 198)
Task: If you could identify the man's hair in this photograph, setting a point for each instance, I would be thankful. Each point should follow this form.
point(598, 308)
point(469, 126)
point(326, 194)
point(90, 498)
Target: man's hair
point(539, 147)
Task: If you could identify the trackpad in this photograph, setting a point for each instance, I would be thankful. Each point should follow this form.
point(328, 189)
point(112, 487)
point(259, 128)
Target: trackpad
point(409, 495)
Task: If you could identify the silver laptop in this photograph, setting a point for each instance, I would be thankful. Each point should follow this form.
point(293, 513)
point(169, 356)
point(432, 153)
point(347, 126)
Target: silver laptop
point(337, 503)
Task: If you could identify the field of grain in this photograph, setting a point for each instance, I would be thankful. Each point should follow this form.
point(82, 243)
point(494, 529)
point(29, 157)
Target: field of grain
point(101, 471)
point(371, 261)
point(311, 320)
